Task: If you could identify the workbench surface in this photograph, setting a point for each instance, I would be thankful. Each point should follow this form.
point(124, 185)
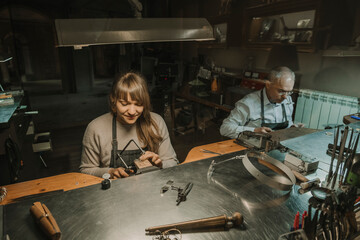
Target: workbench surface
point(133, 204)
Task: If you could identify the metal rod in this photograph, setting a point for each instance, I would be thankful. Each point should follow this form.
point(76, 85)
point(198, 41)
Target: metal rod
point(340, 157)
point(347, 162)
point(336, 136)
point(208, 151)
point(352, 155)
point(350, 141)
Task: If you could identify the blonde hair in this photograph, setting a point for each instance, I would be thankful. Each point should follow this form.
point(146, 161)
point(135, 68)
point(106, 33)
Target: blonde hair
point(134, 84)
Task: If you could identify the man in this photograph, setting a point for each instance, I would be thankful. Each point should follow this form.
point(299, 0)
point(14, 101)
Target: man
point(265, 110)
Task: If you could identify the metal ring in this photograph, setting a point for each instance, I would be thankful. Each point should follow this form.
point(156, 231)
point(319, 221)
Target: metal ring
point(248, 204)
point(277, 182)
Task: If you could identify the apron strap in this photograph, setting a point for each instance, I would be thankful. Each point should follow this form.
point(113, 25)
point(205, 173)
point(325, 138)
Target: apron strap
point(114, 142)
point(284, 112)
point(262, 107)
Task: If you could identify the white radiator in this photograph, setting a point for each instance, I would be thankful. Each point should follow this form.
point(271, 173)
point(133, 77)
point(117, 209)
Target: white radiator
point(320, 109)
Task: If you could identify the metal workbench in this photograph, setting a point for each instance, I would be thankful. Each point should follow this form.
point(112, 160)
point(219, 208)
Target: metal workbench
point(133, 204)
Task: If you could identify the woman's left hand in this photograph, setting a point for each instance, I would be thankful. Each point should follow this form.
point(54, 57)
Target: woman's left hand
point(152, 157)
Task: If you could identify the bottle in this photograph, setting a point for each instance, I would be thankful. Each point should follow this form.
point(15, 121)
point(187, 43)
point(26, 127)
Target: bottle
point(214, 84)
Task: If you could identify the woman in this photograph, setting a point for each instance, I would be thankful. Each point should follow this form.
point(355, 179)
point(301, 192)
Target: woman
point(130, 119)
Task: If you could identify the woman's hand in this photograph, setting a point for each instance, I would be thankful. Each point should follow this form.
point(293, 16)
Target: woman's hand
point(152, 157)
point(116, 173)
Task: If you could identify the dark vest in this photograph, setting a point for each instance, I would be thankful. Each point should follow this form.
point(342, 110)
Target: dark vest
point(127, 155)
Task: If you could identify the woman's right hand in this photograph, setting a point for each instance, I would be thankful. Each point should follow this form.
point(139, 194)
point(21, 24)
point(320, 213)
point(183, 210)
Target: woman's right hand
point(116, 173)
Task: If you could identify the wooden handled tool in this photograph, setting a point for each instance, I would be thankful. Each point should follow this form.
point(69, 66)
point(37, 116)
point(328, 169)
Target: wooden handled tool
point(220, 221)
point(46, 221)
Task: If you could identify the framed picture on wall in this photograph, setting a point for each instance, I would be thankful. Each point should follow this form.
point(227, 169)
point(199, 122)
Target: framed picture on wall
point(220, 32)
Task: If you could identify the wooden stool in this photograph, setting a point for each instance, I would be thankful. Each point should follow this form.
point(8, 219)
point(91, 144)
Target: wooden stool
point(41, 144)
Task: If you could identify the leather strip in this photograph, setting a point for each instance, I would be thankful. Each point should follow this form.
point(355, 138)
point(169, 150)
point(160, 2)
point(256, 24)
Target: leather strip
point(277, 182)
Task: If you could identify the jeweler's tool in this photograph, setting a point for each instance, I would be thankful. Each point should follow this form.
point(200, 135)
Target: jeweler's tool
point(212, 222)
point(333, 156)
point(340, 157)
point(183, 193)
point(208, 151)
point(127, 168)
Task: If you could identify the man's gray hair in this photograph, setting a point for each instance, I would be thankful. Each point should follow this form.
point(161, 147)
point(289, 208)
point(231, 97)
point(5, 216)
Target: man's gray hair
point(277, 72)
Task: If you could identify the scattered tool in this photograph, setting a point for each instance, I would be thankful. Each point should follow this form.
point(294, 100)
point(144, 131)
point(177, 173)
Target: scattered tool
point(140, 166)
point(254, 140)
point(208, 151)
point(341, 155)
point(212, 222)
point(303, 218)
point(336, 136)
point(296, 222)
point(166, 187)
point(45, 219)
point(299, 176)
point(128, 169)
point(309, 184)
point(334, 216)
point(355, 117)
point(300, 163)
point(183, 193)
point(352, 164)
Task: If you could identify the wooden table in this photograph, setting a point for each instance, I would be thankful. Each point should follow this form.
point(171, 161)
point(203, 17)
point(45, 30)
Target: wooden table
point(62, 182)
point(70, 181)
point(230, 146)
point(223, 147)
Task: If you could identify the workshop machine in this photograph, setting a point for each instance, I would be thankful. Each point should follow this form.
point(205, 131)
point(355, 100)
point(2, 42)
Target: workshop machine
point(267, 142)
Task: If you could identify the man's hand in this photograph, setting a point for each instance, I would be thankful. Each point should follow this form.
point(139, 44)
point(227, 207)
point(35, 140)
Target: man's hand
point(116, 173)
point(298, 125)
point(152, 157)
point(262, 130)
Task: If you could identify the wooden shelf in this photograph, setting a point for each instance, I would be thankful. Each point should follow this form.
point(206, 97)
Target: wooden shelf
point(258, 35)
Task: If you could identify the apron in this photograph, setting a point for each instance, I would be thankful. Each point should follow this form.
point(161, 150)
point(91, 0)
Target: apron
point(273, 126)
point(127, 155)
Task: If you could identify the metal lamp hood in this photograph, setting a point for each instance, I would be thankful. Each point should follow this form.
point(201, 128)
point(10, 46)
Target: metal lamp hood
point(85, 32)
